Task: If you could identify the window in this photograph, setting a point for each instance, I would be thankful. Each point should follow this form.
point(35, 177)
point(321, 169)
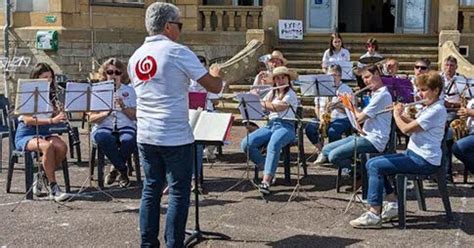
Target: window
point(28, 5)
point(466, 3)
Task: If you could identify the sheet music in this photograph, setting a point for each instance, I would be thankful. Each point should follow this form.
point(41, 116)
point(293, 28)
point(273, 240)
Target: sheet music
point(254, 107)
point(76, 97)
point(346, 67)
point(200, 122)
point(102, 98)
point(25, 100)
point(323, 87)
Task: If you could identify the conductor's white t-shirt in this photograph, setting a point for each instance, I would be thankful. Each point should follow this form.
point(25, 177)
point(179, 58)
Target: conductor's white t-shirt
point(160, 71)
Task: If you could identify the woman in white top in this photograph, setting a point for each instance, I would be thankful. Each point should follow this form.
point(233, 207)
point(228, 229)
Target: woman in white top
point(423, 155)
point(115, 131)
point(336, 52)
point(279, 131)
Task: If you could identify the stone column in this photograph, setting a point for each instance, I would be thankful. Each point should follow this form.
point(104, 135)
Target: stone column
point(448, 15)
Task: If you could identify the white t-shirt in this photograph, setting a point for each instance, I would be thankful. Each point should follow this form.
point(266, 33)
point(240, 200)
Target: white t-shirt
point(127, 93)
point(366, 55)
point(427, 143)
point(342, 55)
point(470, 120)
point(290, 98)
point(323, 100)
point(452, 90)
point(160, 71)
point(377, 127)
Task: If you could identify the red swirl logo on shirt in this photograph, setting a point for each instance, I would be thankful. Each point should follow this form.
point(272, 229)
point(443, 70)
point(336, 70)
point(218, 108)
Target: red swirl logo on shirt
point(146, 68)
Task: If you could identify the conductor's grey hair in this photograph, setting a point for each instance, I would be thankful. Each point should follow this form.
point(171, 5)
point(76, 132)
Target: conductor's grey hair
point(158, 14)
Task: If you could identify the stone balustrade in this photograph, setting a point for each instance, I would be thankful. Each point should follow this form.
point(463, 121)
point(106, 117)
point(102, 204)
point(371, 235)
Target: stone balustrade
point(229, 18)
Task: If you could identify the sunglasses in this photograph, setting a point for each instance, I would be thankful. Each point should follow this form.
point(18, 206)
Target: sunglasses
point(111, 72)
point(180, 24)
point(420, 67)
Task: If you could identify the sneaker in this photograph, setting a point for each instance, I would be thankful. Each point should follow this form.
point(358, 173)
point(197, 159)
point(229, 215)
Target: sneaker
point(321, 159)
point(389, 212)
point(346, 172)
point(124, 181)
point(264, 188)
point(56, 194)
point(111, 177)
point(40, 182)
point(367, 220)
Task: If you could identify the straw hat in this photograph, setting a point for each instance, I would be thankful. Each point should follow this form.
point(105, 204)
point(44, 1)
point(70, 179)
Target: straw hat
point(278, 55)
point(282, 70)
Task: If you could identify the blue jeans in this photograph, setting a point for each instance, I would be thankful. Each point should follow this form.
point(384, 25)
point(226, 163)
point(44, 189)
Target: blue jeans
point(335, 130)
point(172, 165)
point(463, 149)
point(379, 168)
point(117, 151)
point(341, 152)
point(277, 134)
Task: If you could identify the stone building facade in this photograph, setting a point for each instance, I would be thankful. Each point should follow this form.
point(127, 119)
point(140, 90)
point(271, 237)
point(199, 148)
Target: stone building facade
point(91, 31)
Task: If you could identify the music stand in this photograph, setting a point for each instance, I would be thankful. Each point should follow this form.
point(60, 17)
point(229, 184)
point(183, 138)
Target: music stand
point(84, 97)
point(250, 109)
point(196, 233)
point(32, 99)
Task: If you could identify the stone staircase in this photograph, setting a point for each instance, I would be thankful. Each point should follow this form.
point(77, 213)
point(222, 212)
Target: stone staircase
point(305, 57)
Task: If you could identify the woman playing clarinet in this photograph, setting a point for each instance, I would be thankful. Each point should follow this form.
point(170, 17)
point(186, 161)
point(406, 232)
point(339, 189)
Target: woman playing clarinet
point(53, 148)
point(279, 131)
point(423, 154)
point(115, 131)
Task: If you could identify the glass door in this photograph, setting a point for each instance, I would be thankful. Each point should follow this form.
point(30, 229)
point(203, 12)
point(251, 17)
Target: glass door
point(412, 16)
point(321, 15)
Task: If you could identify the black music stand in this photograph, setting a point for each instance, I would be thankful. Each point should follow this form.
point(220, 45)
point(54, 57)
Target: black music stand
point(196, 233)
point(246, 115)
point(31, 92)
point(297, 190)
point(74, 102)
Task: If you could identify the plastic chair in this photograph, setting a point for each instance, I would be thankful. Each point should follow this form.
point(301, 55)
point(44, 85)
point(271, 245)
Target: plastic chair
point(28, 157)
point(439, 176)
point(101, 164)
point(3, 125)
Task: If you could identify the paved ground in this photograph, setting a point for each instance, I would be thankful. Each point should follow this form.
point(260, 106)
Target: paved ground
point(94, 220)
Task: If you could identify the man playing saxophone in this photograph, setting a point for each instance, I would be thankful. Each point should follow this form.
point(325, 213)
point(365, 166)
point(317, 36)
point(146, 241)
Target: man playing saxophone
point(463, 148)
point(333, 119)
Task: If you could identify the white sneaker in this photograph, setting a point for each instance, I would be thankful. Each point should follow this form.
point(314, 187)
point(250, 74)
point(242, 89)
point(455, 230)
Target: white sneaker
point(389, 212)
point(57, 194)
point(321, 159)
point(367, 220)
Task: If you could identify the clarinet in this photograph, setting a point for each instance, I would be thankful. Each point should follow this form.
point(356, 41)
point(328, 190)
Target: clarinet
point(60, 107)
point(115, 131)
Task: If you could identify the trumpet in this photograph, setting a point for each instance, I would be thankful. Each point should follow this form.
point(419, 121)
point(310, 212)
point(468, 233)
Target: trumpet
point(390, 108)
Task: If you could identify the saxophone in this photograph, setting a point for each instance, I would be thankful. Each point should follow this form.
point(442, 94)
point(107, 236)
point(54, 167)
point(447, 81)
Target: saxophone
point(459, 126)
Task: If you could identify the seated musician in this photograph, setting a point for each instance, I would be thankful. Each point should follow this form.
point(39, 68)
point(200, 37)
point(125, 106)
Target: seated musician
point(422, 65)
point(279, 131)
point(390, 67)
point(53, 148)
point(376, 126)
point(264, 76)
point(463, 149)
point(423, 155)
point(338, 121)
point(372, 51)
point(335, 53)
point(452, 101)
point(115, 131)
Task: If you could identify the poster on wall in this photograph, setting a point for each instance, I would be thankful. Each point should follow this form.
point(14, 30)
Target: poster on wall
point(290, 29)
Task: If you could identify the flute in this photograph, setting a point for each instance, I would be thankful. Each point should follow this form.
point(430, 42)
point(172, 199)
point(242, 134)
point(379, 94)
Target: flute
point(389, 109)
point(271, 88)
